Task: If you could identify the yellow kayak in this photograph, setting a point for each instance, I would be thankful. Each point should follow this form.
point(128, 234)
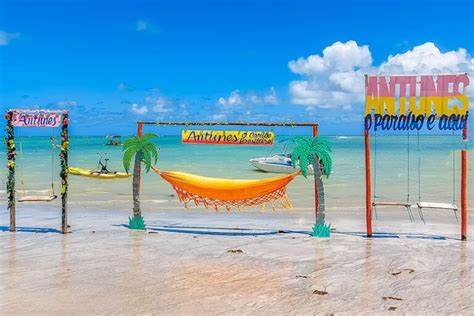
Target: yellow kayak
point(94, 174)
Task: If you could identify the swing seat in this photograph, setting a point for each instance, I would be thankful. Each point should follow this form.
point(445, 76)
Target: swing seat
point(435, 205)
point(406, 205)
point(38, 198)
point(389, 203)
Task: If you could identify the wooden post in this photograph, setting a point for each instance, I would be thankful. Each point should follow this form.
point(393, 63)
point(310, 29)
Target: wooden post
point(139, 129)
point(464, 188)
point(368, 185)
point(316, 200)
point(63, 173)
point(368, 182)
point(11, 155)
point(315, 130)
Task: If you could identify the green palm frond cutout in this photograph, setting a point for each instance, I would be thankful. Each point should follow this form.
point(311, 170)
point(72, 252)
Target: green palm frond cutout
point(305, 151)
point(143, 148)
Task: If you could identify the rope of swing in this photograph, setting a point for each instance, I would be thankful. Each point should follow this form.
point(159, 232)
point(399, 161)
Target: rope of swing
point(375, 166)
point(53, 147)
point(419, 165)
point(22, 163)
point(408, 165)
point(454, 175)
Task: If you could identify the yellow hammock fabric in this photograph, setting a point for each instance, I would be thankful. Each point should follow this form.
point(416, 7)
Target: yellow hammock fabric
point(228, 193)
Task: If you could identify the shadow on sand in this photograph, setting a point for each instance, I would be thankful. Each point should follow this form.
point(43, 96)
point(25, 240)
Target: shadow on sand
point(219, 231)
point(398, 235)
point(41, 230)
point(234, 231)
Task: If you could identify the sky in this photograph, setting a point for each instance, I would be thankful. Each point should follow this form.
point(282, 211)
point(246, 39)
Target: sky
point(112, 63)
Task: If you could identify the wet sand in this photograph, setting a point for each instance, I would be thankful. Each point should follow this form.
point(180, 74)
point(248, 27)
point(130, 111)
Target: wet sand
point(198, 262)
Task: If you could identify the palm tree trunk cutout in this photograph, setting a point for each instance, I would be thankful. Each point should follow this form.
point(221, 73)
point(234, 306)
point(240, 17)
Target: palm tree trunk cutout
point(137, 212)
point(320, 206)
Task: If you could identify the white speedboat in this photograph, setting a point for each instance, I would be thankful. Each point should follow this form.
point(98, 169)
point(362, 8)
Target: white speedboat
point(276, 164)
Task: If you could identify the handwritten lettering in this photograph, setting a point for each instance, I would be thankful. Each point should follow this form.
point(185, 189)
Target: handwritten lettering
point(36, 120)
point(411, 122)
point(227, 137)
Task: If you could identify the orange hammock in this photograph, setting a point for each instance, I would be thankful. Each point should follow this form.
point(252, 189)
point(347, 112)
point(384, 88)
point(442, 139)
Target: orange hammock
point(228, 193)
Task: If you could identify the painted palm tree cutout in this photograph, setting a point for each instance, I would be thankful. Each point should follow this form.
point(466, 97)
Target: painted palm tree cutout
point(317, 152)
point(144, 150)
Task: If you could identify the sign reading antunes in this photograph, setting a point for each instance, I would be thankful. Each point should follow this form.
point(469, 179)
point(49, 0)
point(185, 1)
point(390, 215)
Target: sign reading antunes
point(36, 119)
point(227, 137)
point(402, 103)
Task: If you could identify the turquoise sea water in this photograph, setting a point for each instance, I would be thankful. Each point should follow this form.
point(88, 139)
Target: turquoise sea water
point(345, 188)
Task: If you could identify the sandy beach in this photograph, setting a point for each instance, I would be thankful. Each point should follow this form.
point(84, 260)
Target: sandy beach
point(202, 262)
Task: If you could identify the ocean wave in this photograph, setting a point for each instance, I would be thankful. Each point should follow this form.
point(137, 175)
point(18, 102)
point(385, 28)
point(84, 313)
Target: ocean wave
point(157, 201)
point(114, 201)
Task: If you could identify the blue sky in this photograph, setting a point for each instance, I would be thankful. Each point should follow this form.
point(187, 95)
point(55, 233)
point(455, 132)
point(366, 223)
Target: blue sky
point(112, 63)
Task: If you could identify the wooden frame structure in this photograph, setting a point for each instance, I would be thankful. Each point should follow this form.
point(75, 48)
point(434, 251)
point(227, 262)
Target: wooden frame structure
point(314, 129)
point(11, 157)
point(368, 183)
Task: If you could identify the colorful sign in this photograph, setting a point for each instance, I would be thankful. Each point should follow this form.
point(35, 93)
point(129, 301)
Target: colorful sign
point(36, 119)
point(416, 102)
point(228, 137)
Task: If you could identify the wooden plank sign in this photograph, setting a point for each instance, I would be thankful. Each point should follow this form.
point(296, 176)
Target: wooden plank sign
point(253, 138)
point(36, 119)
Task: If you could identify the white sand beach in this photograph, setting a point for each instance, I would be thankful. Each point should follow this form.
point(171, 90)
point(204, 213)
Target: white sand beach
point(202, 262)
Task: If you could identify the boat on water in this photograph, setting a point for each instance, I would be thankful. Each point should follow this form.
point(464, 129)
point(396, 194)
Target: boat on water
point(89, 173)
point(280, 163)
point(101, 172)
point(113, 140)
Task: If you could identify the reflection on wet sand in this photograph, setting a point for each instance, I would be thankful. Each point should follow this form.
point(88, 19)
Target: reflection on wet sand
point(102, 267)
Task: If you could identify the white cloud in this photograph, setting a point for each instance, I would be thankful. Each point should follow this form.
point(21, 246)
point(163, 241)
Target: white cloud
point(341, 57)
point(233, 99)
point(154, 104)
point(303, 93)
point(218, 117)
point(271, 97)
point(427, 58)
point(251, 98)
point(6, 37)
point(137, 109)
point(346, 56)
point(66, 103)
point(312, 64)
point(142, 25)
point(183, 109)
point(335, 79)
point(123, 87)
point(159, 104)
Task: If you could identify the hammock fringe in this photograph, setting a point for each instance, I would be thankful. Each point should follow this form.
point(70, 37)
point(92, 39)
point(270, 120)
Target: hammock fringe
point(277, 196)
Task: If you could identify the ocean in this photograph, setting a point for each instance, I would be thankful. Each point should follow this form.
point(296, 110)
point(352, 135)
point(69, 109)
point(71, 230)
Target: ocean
point(397, 159)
